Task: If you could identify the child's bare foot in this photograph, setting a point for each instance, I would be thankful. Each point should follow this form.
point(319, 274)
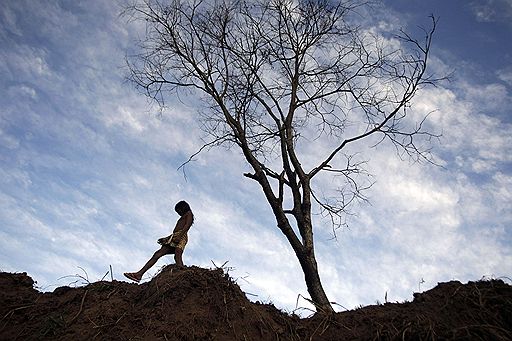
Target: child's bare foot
point(133, 276)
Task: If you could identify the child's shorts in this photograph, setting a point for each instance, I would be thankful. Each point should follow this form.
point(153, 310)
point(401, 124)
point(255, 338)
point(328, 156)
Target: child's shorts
point(183, 242)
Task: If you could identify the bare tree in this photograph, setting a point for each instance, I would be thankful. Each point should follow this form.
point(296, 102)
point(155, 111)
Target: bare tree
point(279, 75)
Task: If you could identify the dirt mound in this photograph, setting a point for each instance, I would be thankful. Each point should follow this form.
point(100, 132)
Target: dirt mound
point(192, 303)
point(185, 304)
point(451, 311)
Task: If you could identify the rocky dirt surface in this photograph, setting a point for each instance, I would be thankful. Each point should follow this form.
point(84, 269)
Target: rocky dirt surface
point(192, 303)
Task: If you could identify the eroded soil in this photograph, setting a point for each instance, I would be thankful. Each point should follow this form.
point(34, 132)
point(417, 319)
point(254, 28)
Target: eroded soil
point(200, 304)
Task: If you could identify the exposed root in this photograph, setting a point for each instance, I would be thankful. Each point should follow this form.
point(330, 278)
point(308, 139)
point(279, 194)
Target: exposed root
point(79, 311)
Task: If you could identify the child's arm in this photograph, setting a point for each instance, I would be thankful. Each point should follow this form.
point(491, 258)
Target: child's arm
point(163, 240)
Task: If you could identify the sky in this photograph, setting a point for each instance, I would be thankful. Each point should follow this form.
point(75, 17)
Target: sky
point(89, 169)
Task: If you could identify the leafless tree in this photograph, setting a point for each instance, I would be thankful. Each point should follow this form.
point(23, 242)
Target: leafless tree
point(281, 75)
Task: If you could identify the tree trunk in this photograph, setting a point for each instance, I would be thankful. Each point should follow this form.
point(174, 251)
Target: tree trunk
point(313, 283)
point(306, 256)
point(304, 250)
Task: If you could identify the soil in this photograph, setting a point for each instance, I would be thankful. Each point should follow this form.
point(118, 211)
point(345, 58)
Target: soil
point(192, 303)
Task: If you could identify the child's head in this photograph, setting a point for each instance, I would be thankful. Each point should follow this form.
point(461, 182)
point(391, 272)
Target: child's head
point(182, 207)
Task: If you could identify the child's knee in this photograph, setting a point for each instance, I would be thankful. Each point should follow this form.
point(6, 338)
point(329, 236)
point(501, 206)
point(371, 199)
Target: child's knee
point(158, 254)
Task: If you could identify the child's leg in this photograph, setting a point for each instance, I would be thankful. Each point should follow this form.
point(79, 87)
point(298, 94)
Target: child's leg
point(164, 250)
point(178, 257)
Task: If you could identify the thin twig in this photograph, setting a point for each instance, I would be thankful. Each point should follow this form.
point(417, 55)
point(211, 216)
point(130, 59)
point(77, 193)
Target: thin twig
point(16, 309)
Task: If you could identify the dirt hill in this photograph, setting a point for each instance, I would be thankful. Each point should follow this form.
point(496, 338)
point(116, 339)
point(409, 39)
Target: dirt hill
point(199, 304)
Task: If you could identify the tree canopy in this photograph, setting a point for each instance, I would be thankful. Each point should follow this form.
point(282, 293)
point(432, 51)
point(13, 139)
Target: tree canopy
point(282, 76)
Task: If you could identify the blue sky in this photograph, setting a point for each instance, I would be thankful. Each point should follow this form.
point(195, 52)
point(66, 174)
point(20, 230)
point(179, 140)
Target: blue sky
point(88, 169)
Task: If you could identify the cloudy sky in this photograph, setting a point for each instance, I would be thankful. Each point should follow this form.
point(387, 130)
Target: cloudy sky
point(88, 169)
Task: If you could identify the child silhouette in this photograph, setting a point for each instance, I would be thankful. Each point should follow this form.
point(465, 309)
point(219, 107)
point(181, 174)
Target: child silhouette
point(173, 244)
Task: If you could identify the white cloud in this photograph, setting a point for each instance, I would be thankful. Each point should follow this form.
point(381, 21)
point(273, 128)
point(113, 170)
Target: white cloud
point(23, 91)
point(492, 10)
point(8, 141)
point(474, 138)
point(25, 62)
point(486, 98)
point(505, 75)
point(8, 23)
point(502, 188)
point(124, 116)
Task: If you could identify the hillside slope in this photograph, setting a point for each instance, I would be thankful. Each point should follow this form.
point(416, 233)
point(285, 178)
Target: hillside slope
point(199, 304)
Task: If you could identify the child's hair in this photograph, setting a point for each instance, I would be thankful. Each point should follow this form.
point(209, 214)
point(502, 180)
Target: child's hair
point(182, 206)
